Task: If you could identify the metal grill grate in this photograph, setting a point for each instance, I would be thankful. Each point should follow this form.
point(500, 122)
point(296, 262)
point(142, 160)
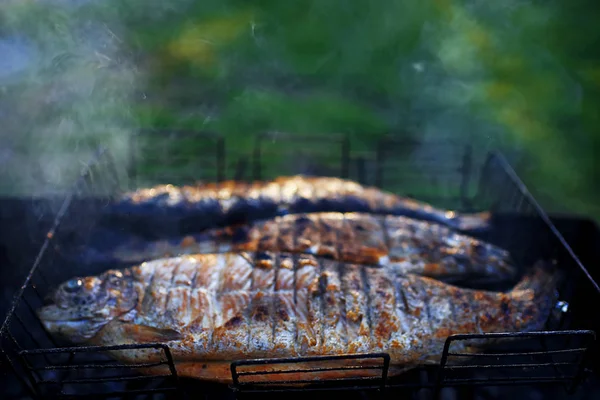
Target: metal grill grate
point(369, 370)
point(48, 369)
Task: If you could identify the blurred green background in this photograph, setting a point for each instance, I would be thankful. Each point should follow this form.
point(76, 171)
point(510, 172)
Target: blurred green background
point(520, 76)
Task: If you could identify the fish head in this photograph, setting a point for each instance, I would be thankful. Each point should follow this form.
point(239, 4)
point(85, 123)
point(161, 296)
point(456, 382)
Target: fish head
point(79, 308)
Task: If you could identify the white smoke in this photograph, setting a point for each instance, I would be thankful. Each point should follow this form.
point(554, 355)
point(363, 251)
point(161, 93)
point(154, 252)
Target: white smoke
point(67, 86)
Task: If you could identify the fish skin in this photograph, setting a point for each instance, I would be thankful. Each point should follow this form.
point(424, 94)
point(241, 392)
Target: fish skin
point(167, 208)
point(212, 309)
point(398, 242)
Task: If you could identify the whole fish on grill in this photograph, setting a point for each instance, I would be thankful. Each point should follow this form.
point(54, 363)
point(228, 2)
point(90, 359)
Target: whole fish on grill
point(165, 209)
point(213, 309)
point(407, 244)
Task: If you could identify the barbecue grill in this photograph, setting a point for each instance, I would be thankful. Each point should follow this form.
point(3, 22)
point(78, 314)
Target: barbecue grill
point(563, 355)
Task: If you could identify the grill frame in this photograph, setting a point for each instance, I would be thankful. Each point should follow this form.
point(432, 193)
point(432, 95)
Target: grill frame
point(358, 167)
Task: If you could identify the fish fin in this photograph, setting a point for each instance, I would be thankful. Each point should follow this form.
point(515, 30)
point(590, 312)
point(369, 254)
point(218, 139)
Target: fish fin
point(145, 333)
point(476, 222)
point(542, 279)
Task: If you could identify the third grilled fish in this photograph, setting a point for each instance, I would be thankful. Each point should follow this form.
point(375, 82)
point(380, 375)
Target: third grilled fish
point(191, 208)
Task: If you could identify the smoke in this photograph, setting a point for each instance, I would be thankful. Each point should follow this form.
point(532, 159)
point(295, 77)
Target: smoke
point(66, 87)
point(481, 75)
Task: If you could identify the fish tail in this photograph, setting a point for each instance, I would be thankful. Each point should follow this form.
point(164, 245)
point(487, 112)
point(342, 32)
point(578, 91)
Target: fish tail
point(538, 293)
point(542, 279)
point(477, 222)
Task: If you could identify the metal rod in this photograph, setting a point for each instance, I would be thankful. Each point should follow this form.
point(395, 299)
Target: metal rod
point(256, 159)
point(28, 386)
point(379, 160)
point(525, 353)
point(101, 366)
point(345, 172)
point(220, 159)
point(465, 171)
point(309, 370)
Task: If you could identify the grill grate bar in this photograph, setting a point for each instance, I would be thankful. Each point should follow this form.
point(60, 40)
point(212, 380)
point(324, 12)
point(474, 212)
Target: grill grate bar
point(127, 393)
point(102, 366)
point(107, 379)
point(537, 365)
point(528, 353)
point(313, 381)
point(292, 371)
point(510, 380)
point(342, 383)
point(100, 349)
point(312, 389)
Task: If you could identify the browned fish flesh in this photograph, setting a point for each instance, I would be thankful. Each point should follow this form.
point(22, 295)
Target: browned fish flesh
point(164, 209)
point(213, 309)
point(410, 245)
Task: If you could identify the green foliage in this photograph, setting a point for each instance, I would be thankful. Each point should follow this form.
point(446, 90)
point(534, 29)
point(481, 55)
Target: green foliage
point(511, 74)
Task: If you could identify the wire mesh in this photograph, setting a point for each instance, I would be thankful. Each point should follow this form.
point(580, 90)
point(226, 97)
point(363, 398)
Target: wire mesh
point(350, 372)
point(48, 368)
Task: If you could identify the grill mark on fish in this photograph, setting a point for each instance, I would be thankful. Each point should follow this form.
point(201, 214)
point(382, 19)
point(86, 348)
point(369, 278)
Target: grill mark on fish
point(366, 290)
point(401, 308)
point(295, 295)
point(169, 289)
point(391, 312)
point(369, 238)
point(286, 233)
point(307, 234)
point(148, 300)
point(248, 310)
point(334, 325)
point(247, 257)
point(328, 237)
point(342, 302)
point(308, 300)
point(336, 295)
point(425, 299)
point(322, 287)
point(346, 240)
point(452, 308)
point(339, 296)
point(386, 236)
point(193, 283)
point(295, 265)
point(273, 304)
point(268, 236)
point(262, 301)
point(216, 299)
point(403, 298)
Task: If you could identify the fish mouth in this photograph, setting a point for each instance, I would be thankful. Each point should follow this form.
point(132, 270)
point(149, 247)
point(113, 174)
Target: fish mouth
point(53, 313)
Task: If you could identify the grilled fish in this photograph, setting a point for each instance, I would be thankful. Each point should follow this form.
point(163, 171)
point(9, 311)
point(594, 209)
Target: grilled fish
point(410, 245)
point(196, 207)
point(215, 308)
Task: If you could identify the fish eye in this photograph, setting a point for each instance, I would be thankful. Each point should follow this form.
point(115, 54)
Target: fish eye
point(73, 285)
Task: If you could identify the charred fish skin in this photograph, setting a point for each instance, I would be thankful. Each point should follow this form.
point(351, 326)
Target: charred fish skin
point(215, 308)
point(398, 242)
point(193, 208)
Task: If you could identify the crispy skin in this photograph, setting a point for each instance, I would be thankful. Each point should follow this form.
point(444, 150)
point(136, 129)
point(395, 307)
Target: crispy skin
point(398, 242)
point(219, 204)
point(239, 306)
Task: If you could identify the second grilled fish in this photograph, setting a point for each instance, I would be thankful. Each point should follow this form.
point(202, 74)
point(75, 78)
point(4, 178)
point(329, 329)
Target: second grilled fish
point(414, 246)
point(213, 309)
